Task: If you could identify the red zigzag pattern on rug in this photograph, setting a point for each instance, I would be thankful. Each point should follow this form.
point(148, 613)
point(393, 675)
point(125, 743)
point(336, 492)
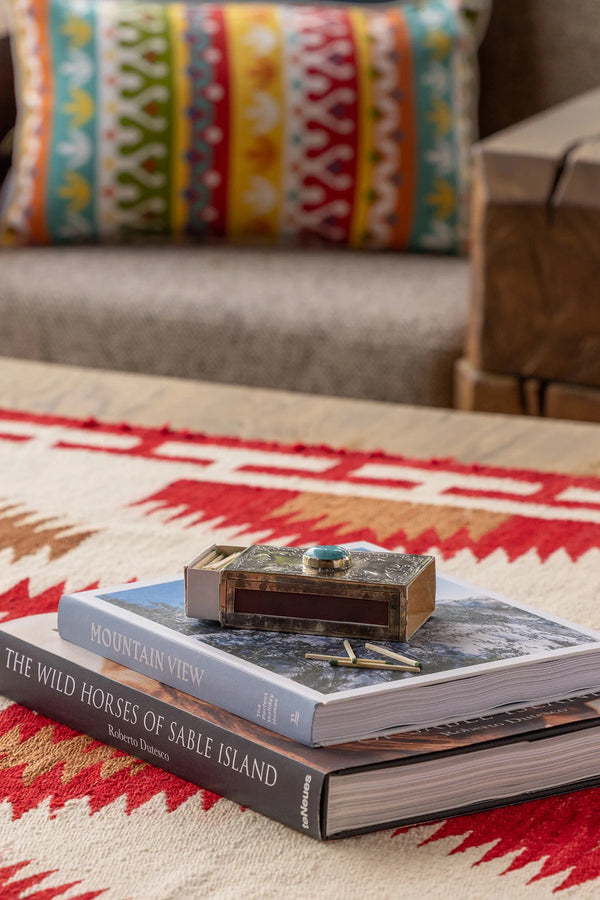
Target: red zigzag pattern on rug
point(562, 833)
point(41, 760)
point(279, 512)
point(22, 887)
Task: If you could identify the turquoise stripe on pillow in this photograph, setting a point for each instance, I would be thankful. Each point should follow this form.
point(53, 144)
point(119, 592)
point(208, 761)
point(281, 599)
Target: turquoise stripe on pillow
point(435, 34)
point(73, 149)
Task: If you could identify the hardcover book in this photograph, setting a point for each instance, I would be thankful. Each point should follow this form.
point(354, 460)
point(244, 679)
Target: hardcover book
point(327, 792)
point(479, 652)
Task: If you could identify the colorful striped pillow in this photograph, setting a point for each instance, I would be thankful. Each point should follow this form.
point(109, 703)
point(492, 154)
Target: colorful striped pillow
point(237, 121)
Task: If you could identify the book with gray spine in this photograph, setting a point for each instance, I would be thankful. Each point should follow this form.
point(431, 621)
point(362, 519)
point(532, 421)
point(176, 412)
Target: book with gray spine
point(480, 652)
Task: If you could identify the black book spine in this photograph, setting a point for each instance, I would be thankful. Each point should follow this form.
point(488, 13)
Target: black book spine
point(217, 758)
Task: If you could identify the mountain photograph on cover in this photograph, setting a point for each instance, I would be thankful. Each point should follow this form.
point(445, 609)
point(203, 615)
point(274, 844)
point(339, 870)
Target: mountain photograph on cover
point(461, 633)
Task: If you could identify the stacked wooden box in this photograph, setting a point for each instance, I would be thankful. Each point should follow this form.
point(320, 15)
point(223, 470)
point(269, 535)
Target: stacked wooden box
point(533, 341)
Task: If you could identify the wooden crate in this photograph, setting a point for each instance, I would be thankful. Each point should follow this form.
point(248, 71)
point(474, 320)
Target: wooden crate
point(475, 389)
point(535, 303)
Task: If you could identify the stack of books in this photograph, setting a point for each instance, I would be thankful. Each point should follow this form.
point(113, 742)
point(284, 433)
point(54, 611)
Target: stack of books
point(503, 704)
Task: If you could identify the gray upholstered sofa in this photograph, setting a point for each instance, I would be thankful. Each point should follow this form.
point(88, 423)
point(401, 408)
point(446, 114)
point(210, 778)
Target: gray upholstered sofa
point(379, 325)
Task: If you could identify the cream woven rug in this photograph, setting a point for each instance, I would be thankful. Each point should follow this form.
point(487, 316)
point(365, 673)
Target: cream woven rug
point(83, 503)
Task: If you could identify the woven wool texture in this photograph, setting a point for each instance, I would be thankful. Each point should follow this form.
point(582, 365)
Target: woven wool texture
point(83, 503)
point(351, 125)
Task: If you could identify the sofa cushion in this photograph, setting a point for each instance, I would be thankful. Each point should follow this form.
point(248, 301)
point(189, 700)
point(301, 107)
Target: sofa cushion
point(384, 326)
point(351, 125)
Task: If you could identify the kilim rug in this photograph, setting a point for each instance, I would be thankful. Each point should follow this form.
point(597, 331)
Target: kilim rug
point(83, 503)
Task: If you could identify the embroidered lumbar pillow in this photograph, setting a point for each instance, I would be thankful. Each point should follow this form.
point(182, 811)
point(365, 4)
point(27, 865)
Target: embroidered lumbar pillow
point(349, 124)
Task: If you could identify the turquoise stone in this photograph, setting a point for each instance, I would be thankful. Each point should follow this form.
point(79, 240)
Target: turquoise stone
point(327, 557)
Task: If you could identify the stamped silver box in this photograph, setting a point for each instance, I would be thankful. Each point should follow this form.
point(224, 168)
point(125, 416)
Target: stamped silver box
point(380, 595)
